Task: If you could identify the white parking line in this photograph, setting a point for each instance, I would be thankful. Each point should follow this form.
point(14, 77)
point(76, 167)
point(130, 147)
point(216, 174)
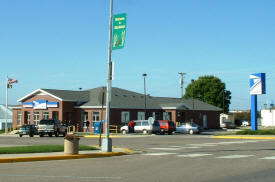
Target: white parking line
point(194, 155)
point(273, 157)
point(159, 154)
point(165, 148)
point(234, 156)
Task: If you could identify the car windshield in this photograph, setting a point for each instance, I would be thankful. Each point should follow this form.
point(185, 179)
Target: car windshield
point(47, 122)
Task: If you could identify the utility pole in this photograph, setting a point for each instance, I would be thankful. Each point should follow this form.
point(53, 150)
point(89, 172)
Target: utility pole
point(181, 83)
point(107, 142)
point(144, 76)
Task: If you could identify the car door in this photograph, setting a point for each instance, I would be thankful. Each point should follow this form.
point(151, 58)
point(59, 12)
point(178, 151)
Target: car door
point(138, 126)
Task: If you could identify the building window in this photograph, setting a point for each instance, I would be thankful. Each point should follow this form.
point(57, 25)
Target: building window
point(125, 117)
point(166, 115)
point(29, 117)
point(19, 118)
point(95, 116)
point(141, 115)
point(36, 117)
point(156, 115)
point(45, 115)
point(55, 115)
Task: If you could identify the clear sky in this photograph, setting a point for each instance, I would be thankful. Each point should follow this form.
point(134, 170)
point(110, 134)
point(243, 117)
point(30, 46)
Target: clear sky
point(63, 44)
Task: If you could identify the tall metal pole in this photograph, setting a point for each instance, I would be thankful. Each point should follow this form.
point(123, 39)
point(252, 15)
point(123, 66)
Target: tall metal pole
point(144, 76)
point(181, 83)
point(193, 100)
point(107, 143)
point(6, 113)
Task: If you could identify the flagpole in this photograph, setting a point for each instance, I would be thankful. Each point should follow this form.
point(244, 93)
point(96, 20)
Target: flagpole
point(6, 113)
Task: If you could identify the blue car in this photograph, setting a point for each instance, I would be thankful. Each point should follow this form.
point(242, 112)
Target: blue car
point(190, 128)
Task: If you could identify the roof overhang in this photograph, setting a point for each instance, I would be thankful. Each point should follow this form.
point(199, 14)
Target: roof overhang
point(37, 91)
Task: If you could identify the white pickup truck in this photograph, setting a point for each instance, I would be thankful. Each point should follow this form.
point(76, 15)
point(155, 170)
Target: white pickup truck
point(51, 127)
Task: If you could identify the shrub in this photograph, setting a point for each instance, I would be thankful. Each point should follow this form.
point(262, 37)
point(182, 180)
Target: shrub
point(257, 132)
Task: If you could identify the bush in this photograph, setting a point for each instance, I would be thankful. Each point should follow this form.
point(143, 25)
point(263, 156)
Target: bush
point(257, 132)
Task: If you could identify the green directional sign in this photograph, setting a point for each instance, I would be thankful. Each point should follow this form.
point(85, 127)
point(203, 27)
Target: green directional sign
point(119, 31)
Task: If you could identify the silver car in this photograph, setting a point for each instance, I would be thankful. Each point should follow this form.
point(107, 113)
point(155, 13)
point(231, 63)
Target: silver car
point(190, 128)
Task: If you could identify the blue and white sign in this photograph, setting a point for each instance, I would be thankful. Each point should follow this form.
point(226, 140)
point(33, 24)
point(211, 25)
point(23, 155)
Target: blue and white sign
point(40, 104)
point(257, 84)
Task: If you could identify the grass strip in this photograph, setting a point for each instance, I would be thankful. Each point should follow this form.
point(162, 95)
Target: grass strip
point(257, 132)
point(39, 149)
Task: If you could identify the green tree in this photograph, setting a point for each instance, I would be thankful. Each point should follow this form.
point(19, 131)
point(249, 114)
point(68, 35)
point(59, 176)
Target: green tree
point(211, 90)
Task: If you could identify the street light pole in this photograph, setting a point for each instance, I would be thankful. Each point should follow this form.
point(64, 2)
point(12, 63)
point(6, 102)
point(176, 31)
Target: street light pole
point(144, 76)
point(192, 99)
point(181, 83)
point(107, 142)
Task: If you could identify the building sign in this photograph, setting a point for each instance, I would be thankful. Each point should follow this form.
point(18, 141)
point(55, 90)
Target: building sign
point(40, 104)
point(119, 31)
point(257, 84)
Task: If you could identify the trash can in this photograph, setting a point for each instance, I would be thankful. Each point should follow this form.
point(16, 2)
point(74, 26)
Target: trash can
point(97, 127)
point(71, 145)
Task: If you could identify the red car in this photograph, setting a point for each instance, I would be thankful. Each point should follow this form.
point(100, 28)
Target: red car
point(167, 126)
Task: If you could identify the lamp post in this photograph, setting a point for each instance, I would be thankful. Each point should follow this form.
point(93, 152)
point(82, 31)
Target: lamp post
point(271, 109)
point(107, 142)
point(181, 83)
point(144, 76)
point(192, 99)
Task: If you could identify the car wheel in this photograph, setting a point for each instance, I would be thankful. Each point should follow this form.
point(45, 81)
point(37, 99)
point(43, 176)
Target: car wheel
point(41, 135)
point(170, 133)
point(50, 134)
point(124, 132)
point(144, 131)
point(31, 135)
point(20, 135)
point(191, 132)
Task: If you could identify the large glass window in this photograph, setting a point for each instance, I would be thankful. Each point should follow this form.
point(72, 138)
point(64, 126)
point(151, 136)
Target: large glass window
point(45, 115)
point(55, 115)
point(166, 115)
point(125, 117)
point(19, 118)
point(141, 115)
point(36, 117)
point(156, 115)
point(95, 116)
point(29, 117)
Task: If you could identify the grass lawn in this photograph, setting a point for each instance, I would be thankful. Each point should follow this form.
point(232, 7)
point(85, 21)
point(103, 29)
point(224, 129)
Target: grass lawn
point(39, 149)
point(257, 132)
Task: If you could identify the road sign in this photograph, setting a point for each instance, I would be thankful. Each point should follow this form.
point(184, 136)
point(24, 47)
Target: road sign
point(119, 31)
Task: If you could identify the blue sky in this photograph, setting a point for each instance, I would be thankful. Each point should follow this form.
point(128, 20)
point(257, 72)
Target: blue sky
point(62, 44)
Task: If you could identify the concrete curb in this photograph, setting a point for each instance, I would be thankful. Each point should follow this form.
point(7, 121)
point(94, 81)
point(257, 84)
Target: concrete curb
point(245, 137)
point(64, 157)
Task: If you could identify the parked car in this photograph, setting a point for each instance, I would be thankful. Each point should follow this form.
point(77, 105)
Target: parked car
point(28, 129)
point(51, 127)
point(228, 125)
point(245, 123)
point(167, 126)
point(190, 128)
point(142, 126)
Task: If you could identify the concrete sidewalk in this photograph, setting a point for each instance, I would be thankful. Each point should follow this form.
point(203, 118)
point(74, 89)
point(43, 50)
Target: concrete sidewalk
point(30, 157)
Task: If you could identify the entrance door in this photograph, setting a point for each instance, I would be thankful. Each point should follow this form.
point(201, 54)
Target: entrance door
point(204, 121)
